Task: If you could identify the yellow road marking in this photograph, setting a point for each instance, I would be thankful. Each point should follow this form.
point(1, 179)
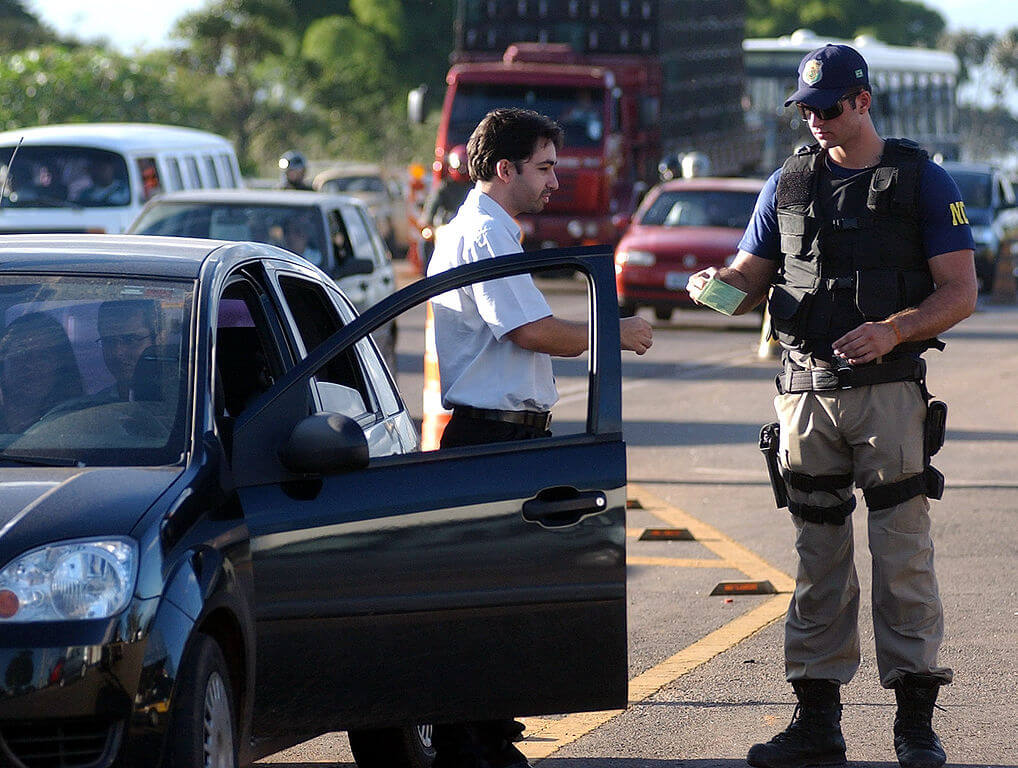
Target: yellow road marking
point(547, 735)
point(680, 562)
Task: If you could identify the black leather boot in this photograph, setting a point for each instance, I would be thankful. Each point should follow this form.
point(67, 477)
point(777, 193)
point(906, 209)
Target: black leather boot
point(915, 742)
point(813, 738)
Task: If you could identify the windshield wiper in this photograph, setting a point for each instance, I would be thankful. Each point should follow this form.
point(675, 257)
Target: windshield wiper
point(41, 461)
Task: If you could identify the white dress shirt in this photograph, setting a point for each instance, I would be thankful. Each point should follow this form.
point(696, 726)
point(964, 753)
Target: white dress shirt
point(478, 366)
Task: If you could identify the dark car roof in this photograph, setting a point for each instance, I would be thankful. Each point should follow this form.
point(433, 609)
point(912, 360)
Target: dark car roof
point(172, 257)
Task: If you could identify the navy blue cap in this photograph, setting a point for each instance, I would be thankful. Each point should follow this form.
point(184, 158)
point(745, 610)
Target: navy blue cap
point(827, 73)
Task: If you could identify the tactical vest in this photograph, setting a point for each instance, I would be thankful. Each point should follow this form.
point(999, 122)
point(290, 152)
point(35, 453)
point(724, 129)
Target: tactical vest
point(852, 249)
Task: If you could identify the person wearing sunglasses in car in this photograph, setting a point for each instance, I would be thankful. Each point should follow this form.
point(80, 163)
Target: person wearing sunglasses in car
point(864, 249)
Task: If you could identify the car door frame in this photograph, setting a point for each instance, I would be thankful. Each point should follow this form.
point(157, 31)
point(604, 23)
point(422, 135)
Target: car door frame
point(532, 630)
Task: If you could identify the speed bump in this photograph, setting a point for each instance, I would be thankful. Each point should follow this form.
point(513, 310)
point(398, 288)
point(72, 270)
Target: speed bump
point(666, 534)
point(728, 588)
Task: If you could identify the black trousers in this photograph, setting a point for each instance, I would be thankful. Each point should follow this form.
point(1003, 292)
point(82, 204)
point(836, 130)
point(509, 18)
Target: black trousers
point(481, 738)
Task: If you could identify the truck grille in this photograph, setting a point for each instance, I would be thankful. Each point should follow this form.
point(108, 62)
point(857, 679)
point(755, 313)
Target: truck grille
point(61, 743)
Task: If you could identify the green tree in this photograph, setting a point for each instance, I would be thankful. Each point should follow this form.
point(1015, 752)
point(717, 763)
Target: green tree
point(242, 47)
point(898, 22)
point(20, 29)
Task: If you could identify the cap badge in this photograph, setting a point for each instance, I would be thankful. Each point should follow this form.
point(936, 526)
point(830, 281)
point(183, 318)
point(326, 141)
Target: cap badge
point(812, 72)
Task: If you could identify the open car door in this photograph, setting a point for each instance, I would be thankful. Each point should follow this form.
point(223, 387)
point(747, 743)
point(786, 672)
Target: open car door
point(463, 584)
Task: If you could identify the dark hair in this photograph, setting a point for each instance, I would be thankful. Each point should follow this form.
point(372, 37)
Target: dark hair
point(508, 133)
point(124, 309)
point(852, 93)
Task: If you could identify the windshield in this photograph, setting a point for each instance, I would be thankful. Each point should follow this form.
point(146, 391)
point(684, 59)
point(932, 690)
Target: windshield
point(300, 229)
point(94, 369)
point(55, 177)
point(700, 208)
point(578, 110)
point(976, 188)
point(354, 184)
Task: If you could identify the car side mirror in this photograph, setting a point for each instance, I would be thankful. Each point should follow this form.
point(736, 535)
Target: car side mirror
point(323, 444)
point(355, 267)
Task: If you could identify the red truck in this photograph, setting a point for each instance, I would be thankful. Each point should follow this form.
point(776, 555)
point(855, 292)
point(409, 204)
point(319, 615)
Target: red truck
point(630, 81)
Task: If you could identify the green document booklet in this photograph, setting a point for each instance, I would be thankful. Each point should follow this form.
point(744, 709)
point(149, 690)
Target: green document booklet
point(721, 296)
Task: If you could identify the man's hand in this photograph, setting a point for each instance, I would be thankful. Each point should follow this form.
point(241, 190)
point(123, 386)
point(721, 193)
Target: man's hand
point(636, 334)
point(867, 342)
point(697, 282)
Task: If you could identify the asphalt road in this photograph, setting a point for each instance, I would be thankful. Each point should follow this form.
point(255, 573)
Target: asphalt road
point(706, 672)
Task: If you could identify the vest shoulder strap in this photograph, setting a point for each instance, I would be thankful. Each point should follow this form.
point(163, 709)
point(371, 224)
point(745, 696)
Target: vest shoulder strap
point(796, 182)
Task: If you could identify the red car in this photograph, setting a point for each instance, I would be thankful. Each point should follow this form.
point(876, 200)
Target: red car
point(681, 227)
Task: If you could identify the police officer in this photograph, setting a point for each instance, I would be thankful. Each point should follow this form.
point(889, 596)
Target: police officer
point(864, 245)
point(293, 166)
point(494, 341)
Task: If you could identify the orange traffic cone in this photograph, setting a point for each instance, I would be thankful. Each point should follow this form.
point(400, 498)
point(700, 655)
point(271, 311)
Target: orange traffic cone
point(435, 417)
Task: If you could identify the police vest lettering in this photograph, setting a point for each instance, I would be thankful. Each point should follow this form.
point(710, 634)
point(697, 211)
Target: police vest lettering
point(852, 248)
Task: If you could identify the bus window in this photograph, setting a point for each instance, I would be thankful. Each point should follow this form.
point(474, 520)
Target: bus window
point(229, 178)
point(176, 181)
point(150, 183)
point(192, 166)
point(210, 166)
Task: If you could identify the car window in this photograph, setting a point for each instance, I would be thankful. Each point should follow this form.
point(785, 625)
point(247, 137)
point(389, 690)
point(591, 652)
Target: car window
point(192, 166)
point(360, 235)
point(52, 176)
point(210, 168)
point(317, 319)
point(378, 250)
point(230, 180)
point(94, 369)
point(339, 237)
point(700, 208)
point(151, 185)
point(173, 169)
point(247, 359)
point(976, 188)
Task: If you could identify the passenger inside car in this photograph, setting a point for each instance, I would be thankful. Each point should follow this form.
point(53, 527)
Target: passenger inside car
point(38, 370)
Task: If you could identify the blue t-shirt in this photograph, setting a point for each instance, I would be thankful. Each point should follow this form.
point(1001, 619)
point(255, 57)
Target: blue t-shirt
point(942, 219)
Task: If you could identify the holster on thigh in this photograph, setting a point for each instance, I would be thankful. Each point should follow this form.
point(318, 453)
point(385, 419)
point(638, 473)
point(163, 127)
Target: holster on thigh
point(813, 513)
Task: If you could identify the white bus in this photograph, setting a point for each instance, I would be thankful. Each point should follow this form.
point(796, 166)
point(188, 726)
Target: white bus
point(913, 91)
point(95, 177)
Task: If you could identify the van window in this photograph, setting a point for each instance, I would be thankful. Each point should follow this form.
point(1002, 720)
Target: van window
point(150, 183)
point(210, 166)
point(231, 179)
point(173, 169)
point(192, 166)
point(52, 176)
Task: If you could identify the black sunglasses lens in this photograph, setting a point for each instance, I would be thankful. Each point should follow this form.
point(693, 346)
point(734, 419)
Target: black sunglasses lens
point(824, 114)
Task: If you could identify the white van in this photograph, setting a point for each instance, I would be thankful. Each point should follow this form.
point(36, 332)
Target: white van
point(96, 177)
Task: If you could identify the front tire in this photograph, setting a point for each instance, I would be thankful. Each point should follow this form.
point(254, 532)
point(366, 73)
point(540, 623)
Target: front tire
point(203, 732)
point(407, 747)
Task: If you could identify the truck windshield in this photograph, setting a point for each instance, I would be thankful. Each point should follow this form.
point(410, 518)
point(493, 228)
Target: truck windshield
point(59, 176)
point(94, 370)
point(578, 110)
point(976, 188)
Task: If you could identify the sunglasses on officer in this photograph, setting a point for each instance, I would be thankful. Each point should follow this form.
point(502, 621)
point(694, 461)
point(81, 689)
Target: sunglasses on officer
point(833, 111)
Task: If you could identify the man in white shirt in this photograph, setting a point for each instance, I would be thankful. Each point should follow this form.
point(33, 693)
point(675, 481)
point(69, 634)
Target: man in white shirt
point(495, 340)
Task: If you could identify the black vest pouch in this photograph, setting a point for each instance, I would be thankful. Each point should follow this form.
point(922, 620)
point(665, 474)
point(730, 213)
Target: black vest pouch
point(798, 233)
point(882, 184)
point(788, 307)
point(878, 293)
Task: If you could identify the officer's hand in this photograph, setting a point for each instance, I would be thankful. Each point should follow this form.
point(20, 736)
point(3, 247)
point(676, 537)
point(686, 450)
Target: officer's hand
point(866, 343)
point(636, 334)
point(697, 281)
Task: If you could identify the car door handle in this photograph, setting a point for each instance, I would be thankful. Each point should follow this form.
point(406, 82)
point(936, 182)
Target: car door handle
point(563, 506)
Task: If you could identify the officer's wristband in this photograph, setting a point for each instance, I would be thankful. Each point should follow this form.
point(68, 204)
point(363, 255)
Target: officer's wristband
point(897, 333)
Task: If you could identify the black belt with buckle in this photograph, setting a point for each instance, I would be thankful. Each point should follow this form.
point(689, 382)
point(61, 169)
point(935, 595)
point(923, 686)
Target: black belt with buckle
point(795, 379)
point(535, 419)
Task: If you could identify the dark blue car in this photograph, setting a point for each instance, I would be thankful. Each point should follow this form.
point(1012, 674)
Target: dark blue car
point(219, 536)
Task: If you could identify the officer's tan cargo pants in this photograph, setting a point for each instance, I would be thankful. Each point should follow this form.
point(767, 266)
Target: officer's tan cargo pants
point(876, 434)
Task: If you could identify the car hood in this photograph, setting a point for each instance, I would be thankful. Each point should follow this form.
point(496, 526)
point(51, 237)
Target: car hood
point(43, 504)
point(678, 241)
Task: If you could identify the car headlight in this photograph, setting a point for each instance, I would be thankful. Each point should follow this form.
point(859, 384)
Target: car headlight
point(635, 258)
point(86, 579)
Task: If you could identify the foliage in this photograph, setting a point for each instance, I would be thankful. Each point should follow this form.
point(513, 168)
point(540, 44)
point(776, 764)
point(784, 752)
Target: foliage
point(897, 22)
point(20, 29)
point(55, 85)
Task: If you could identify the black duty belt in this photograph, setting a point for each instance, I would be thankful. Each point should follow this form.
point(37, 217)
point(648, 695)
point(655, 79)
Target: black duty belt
point(795, 379)
point(535, 419)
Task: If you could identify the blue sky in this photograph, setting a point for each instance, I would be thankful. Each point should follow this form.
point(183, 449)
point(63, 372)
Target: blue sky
point(130, 24)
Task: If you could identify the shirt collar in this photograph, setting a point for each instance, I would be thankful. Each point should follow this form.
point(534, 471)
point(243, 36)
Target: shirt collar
point(487, 205)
